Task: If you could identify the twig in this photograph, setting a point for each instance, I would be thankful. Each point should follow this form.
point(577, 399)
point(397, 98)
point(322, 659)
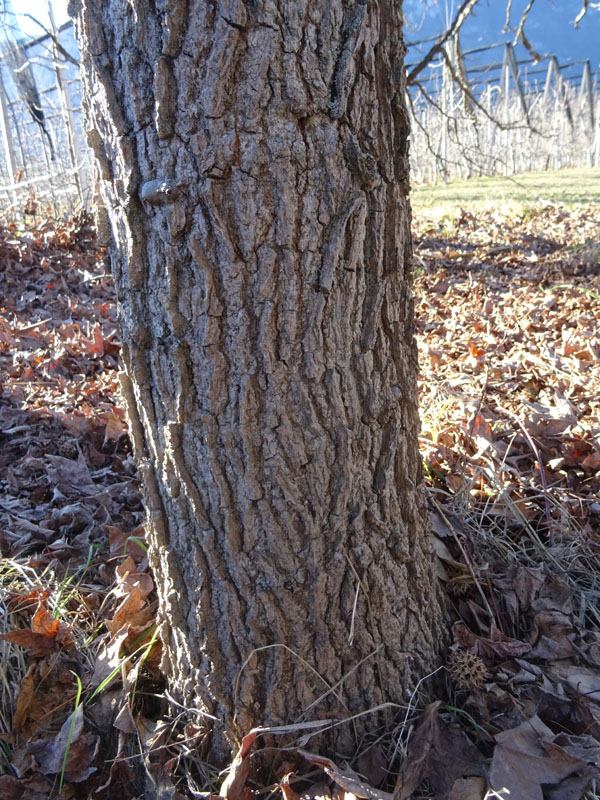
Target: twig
point(461, 15)
point(538, 458)
point(581, 14)
point(467, 562)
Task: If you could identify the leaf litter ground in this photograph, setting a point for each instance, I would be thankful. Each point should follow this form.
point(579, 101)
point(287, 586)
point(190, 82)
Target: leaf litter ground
point(507, 309)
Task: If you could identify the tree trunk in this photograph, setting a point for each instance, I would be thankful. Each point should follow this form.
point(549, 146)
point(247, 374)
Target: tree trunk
point(253, 166)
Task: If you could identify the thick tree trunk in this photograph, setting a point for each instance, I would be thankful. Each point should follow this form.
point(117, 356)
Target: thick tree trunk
point(253, 163)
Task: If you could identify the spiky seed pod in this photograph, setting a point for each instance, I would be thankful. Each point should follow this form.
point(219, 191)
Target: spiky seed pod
point(458, 588)
point(67, 448)
point(466, 670)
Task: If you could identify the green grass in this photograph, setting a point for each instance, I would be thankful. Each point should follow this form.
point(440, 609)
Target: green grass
point(567, 187)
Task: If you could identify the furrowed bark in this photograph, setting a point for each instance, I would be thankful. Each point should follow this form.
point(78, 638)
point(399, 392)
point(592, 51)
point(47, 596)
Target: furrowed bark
point(253, 164)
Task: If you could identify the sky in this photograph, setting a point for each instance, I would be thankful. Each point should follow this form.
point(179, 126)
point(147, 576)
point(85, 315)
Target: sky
point(39, 10)
point(549, 26)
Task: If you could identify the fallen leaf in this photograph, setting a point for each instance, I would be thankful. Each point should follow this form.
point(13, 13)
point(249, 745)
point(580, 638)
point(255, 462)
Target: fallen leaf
point(115, 427)
point(415, 765)
point(38, 644)
point(585, 682)
point(69, 475)
point(468, 789)
point(497, 645)
point(50, 754)
point(527, 758)
point(132, 612)
point(24, 699)
point(372, 763)
point(120, 778)
point(36, 787)
point(286, 789)
point(233, 786)
point(552, 419)
point(44, 623)
point(131, 579)
point(437, 752)
point(346, 779)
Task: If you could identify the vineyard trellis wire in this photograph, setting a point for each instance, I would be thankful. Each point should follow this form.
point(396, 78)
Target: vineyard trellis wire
point(44, 157)
point(503, 117)
point(468, 118)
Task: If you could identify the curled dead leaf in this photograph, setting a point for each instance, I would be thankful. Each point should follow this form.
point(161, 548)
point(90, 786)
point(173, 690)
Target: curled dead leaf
point(440, 753)
point(530, 757)
point(46, 636)
point(286, 789)
point(497, 645)
point(82, 748)
point(468, 789)
point(346, 779)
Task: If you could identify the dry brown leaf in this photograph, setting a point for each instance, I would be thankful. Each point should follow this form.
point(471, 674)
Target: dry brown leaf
point(497, 645)
point(131, 612)
point(415, 765)
point(36, 787)
point(49, 753)
point(468, 789)
point(76, 423)
point(124, 543)
point(570, 789)
point(37, 644)
point(553, 634)
point(68, 475)
point(115, 427)
point(286, 789)
point(108, 656)
point(443, 553)
point(131, 579)
point(124, 721)
point(372, 763)
point(43, 622)
point(24, 699)
point(586, 682)
point(527, 758)
point(233, 786)
point(120, 779)
point(439, 525)
point(346, 779)
point(438, 752)
point(481, 429)
point(553, 419)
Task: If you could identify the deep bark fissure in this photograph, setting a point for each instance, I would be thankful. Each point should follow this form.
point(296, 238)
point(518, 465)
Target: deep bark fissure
point(254, 168)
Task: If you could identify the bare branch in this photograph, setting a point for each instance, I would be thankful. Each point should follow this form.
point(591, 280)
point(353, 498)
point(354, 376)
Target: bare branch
point(581, 14)
point(520, 34)
point(461, 15)
point(444, 161)
point(64, 53)
point(467, 91)
point(508, 10)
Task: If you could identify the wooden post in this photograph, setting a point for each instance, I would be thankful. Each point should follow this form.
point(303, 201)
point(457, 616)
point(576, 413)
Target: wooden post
point(586, 95)
point(446, 82)
point(468, 113)
point(561, 92)
point(491, 168)
point(505, 87)
point(7, 142)
point(509, 64)
point(75, 150)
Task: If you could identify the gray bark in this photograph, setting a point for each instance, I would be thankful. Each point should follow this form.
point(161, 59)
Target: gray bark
point(253, 165)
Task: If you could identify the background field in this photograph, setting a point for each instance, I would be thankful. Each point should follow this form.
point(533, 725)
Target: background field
point(567, 187)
